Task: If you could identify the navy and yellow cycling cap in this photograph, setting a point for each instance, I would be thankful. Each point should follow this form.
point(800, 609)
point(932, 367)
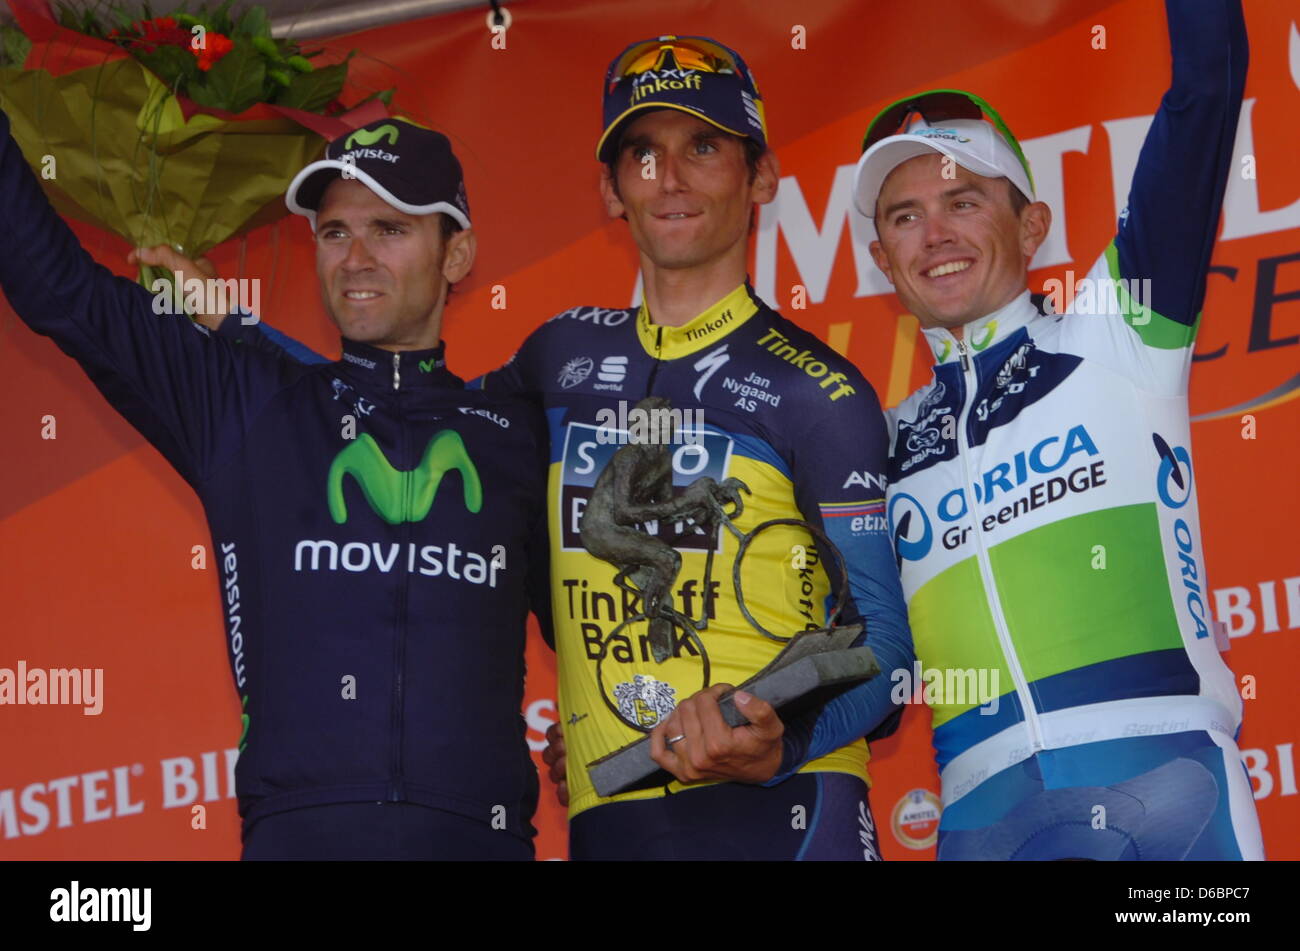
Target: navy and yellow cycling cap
point(692, 74)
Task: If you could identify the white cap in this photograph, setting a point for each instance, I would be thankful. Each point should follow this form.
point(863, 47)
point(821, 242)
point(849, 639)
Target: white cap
point(973, 144)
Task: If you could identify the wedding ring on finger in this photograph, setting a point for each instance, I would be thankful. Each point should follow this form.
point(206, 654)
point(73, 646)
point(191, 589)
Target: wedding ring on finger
point(676, 739)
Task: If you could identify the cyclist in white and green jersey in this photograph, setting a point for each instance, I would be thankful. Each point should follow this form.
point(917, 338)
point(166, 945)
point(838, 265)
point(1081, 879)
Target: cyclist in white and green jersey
point(1042, 494)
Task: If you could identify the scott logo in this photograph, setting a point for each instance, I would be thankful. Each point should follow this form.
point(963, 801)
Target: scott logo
point(402, 496)
point(371, 136)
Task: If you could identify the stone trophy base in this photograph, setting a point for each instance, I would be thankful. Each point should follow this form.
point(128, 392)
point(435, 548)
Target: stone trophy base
point(814, 667)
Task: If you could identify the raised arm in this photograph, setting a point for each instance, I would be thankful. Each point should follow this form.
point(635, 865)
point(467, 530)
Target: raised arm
point(1167, 231)
point(167, 376)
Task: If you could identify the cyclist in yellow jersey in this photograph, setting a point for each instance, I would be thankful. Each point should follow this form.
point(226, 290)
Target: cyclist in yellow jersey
point(685, 149)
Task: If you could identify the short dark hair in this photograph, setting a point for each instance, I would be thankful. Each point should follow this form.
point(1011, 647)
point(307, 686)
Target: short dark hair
point(1018, 200)
point(448, 226)
point(753, 152)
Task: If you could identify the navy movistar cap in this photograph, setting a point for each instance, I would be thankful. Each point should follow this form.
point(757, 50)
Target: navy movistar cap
point(692, 74)
point(410, 167)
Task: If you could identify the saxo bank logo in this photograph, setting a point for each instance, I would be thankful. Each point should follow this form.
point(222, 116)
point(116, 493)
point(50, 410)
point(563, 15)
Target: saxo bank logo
point(397, 495)
point(1174, 478)
point(909, 527)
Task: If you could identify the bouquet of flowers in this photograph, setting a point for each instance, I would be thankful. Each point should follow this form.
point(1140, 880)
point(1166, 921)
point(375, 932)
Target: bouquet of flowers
point(183, 129)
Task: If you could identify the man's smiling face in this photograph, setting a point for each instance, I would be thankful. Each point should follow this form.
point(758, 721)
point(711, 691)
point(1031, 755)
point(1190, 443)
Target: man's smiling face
point(952, 245)
point(696, 206)
point(380, 270)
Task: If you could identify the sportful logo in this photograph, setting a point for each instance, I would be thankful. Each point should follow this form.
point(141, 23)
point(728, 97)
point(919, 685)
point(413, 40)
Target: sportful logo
point(402, 496)
point(371, 136)
point(612, 370)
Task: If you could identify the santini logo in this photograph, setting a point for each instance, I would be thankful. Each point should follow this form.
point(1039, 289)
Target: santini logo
point(103, 904)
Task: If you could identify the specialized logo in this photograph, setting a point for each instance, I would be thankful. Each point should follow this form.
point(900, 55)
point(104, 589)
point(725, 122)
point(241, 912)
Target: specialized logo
point(575, 371)
point(1174, 478)
point(708, 365)
point(867, 833)
point(777, 343)
point(915, 819)
point(644, 701)
point(371, 136)
point(399, 496)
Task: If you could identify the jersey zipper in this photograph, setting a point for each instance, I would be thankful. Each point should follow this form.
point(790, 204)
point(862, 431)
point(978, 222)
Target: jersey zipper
point(396, 789)
point(982, 555)
point(654, 367)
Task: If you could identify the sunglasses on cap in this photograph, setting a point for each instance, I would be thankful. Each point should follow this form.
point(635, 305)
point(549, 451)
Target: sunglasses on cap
point(690, 52)
point(936, 106)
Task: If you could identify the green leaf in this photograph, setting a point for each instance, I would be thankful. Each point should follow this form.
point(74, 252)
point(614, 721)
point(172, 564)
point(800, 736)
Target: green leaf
point(14, 46)
point(234, 83)
point(254, 22)
point(313, 91)
point(174, 66)
point(383, 95)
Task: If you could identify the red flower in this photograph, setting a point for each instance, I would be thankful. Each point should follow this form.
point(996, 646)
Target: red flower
point(160, 31)
point(215, 47)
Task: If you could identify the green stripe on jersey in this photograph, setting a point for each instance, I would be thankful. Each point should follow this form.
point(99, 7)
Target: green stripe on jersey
point(1063, 613)
point(953, 629)
point(1155, 330)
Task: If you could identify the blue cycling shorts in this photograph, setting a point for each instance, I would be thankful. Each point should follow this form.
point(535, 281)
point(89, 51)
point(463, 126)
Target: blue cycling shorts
point(808, 817)
point(1169, 797)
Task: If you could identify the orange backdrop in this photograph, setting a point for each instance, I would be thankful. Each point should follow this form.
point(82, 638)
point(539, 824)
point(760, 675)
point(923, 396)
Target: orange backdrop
point(97, 533)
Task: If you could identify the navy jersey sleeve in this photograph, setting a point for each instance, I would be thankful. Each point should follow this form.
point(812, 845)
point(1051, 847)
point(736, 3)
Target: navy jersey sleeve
point(518, 375)
point(839, 477)
point(1167, 231)
point(170, 378)
point(261, 336)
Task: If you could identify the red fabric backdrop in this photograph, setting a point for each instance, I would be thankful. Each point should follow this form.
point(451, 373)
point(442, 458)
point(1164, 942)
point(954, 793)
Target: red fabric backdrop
point(97, 533)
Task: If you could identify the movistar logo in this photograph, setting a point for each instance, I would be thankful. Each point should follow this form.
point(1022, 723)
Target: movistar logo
point(429, 365)
point(402, 496)
point(371, 136)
